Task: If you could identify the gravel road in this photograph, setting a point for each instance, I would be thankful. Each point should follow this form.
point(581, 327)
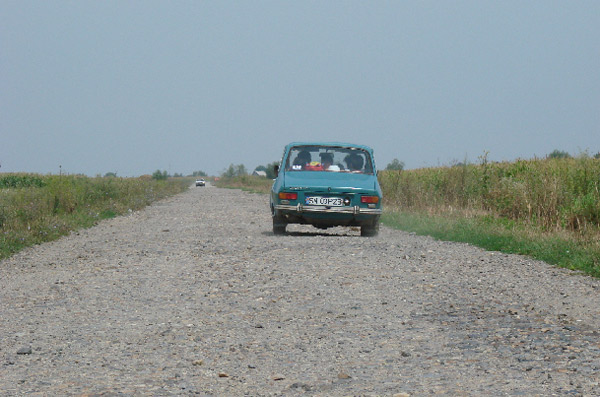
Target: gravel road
point(195, 296)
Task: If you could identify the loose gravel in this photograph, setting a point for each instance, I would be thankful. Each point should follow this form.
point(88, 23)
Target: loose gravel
point(195, 296)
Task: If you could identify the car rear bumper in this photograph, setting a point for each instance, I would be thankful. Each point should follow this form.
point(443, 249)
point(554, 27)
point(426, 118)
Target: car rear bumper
point(355, 210)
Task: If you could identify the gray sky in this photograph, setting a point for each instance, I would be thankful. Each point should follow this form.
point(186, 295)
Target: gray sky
point(135, 86)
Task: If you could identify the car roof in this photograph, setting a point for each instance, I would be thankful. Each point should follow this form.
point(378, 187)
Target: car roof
point(342, 144)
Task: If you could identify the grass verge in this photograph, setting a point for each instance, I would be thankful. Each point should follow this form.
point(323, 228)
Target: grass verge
point(497, 234)
point(35, 209)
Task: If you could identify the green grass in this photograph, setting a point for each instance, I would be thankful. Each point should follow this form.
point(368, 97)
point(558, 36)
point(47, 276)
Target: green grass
point(35, 209)
point(499, 235)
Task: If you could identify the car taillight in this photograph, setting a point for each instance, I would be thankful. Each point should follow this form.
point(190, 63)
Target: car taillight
point(288, 196)
point(369, 199)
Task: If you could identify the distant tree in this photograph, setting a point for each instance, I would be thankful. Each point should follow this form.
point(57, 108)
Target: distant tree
point(110, 175)
point(176, 175)
point(395, 165)
point(597, 155)
point(559, 154)
point(229, 172)
point(234, 170)
point(160, 175)
point(240, 170)
point(199, 173)
point(269, 169)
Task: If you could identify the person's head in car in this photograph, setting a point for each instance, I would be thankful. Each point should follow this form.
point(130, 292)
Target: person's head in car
point(302, 158)
point(326, 160)
point(354, 162)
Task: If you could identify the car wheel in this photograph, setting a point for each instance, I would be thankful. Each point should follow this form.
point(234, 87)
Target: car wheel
point(370, 230)
point(278, 225)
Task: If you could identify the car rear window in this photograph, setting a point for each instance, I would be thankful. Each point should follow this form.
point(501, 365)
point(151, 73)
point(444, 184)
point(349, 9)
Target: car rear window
point(329, 159)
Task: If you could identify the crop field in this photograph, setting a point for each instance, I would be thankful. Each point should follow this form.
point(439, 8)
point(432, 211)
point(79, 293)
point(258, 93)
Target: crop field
point(36, 208)
point(553, 193)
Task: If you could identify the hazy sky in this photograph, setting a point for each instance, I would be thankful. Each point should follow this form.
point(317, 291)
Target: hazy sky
point(135, 86)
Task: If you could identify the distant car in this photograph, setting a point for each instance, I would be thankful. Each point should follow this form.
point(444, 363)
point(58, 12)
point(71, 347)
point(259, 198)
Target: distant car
point(200, 182)
point(325, 185)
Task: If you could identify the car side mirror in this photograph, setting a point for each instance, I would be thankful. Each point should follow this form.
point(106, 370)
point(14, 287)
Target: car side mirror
point(276, 169)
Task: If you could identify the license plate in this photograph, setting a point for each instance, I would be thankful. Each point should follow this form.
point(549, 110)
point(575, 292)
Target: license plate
point(327, 201)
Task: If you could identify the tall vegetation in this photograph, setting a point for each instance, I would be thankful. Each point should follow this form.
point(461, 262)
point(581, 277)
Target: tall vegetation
point(554, 193)
point(34, 208)
point(250, 183)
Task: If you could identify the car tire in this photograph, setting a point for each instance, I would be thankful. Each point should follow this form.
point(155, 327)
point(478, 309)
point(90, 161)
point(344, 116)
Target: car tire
point(370, 230)
point(279, 225)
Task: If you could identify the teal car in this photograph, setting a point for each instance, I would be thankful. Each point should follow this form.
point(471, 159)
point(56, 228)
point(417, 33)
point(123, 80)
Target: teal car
point(325, 185)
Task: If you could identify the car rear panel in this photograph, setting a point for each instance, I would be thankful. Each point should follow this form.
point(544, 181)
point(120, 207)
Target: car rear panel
point(321, 186)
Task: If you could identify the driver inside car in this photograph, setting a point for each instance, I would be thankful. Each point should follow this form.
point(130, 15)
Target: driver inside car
point(302, 159)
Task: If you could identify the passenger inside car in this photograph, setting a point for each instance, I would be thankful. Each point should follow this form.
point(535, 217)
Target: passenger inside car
point(354, 162)
point(327, 162)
